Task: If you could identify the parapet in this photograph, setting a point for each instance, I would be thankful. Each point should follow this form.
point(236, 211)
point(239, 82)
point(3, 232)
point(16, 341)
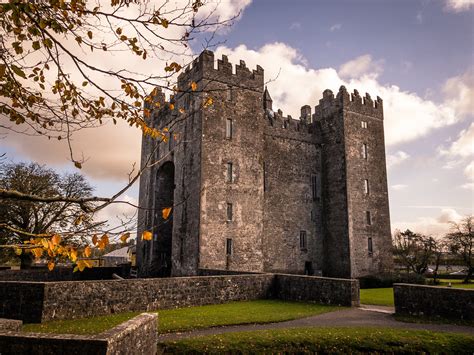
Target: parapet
point(203, 67)
point(352, 102)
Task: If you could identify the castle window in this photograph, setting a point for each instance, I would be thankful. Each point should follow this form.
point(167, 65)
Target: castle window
point(368, 218)
point(230, 93)
point(363, 124)
point(229, 212)
point(316, 187)
point(228, 128)
point(230, 172)
point(370, 246)
point(365, 151)
point(302, 240)
point(366, 186)
point(264, 178)
point(228, 246)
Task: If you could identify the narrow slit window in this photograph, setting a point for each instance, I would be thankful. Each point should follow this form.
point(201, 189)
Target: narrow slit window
point(368, 218)
point(365, 151)
point(228, 246)
point(366, 186)
point(363, 124)
point(230, 172)
point(230, 93)
point(228, 128)
point(264, 177)
point(302, 240)
point(314, 186)
point(370, 246)
point(229, 212)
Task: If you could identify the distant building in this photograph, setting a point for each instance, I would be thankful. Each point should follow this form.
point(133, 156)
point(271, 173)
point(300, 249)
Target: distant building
point(116, 257)
point(254, 190)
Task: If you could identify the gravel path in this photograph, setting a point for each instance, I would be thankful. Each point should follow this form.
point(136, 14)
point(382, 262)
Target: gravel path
point(365, 316)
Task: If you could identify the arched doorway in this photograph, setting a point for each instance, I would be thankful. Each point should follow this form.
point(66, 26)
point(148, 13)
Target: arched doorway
point(163, 228)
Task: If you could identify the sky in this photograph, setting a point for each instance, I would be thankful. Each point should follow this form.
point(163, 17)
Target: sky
point(417, 55)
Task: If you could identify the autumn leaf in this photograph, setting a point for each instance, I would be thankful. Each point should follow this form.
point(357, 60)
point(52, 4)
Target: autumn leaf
point(171, 107)
point(56, 239)
point(50, 266)
point(124, 237)
point(164, 23)
point(18, 71)
point(78, 220)
point(78, 165)
point(194, 86)
point(166, 212)
point(89, 34)
point(87, 251)
point(44, 241)
point(147, 235)
point(94, 239)
point(209, 101)
point(37, 252)
point(18, 251)
point(73, 255)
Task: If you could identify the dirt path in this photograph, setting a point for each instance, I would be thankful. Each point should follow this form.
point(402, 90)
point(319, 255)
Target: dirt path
point(365, 316)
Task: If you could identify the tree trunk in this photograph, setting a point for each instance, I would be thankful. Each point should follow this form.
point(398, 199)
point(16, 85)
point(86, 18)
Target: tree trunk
point(26, 260)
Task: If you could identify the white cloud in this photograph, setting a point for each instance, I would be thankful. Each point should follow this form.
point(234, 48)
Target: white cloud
point(335, 27)
point(407, 115)
point(419, 18)
point(396, 159)
point(219, 10)
point(459, 5)
point(435, 226)
point(119, 215)
point(463, 146)
point(360, 66)
point(295, 26)
point(399, 187)
point(459, 92)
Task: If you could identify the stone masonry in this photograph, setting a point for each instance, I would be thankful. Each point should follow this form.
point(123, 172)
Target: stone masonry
point(254, 190)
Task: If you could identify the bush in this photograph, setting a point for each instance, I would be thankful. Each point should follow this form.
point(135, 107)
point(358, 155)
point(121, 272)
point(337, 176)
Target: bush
point(387, 280)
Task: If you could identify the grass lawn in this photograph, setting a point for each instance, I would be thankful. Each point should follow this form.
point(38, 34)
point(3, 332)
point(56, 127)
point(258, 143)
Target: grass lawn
point(326, 340)
point(377, 296)
point(455, 283)
point(181, 319)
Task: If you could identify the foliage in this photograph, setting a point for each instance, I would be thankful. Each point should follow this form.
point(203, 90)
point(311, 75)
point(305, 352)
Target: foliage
point(416, 251)
point(325, 340)
point(461, 243)
point(189, 318)
point(387, 280)
point(55, 231)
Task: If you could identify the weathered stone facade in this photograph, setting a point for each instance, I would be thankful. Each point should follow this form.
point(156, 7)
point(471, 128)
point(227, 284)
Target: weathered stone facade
point(253, 190)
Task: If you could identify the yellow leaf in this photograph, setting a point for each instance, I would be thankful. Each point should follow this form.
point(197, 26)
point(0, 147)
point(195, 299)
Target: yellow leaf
point(147, 235)
point(44, 241)
point(50, 266)
point(18, 251)
point(124, 237)
point(37, 252)
point(78, 220)
point(81, 265)
point(166, 212)
point(94, 239)
point(73, 255)
point(56, 239)
point(87, 251)
point(194, 86)
point(208, 102)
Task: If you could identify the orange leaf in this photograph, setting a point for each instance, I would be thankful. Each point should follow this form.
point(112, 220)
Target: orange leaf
point(194, 86)
point(73, 255)
point(124, 237)
point(56, 239)
point(50, 266)
point(209, 101)
point(37, 252)
point(87, 251)
point(166, 212)
point(44, 241)
point(171, 107)
point(94, 239)
point(147, 235)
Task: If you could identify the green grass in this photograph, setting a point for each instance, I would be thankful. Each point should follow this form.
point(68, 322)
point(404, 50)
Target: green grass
point(181, 319)
point(377, 296)
point(455, 283)
point(325, 340)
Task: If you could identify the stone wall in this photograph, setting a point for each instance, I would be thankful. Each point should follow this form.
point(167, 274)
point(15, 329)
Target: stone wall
point(136, 336)
point(323, 290)
point(63, 274)
point(35, 302)
point(434, 301)
point(10, 324)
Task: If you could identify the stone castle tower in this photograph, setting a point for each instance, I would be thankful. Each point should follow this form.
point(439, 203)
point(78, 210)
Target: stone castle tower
point(253, 190)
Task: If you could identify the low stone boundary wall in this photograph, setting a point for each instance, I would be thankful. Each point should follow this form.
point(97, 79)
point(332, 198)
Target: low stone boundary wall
point(434, 301)
point(35, 302)
point(63, 274)
point(342, 292)
point(136, 336)
point(10, 324)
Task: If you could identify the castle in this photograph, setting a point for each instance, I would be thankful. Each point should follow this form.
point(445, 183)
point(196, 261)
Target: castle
point(253, 190)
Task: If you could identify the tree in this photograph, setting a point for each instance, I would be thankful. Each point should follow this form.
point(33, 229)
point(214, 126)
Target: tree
point(461, 243)
point(61, 71)
point(415, 251)
point(55, 230)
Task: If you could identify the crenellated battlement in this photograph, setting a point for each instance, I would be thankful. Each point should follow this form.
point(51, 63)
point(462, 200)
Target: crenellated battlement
point(279, 122)
point(348, 101)
point(204, 67)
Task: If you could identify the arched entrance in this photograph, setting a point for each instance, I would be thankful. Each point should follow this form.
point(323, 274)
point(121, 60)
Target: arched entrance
point(163, 228)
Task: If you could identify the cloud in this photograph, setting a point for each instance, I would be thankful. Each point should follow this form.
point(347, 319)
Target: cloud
point(419, 18)
point(335, 27)
point(295, 26)
point(463, 147)
point(360, 66)
point(458, 5)
point(399, 187)
point(218, 10)
point(435, 226)
point(459, 92)
point(396, 159)
point(120, 214)
point(407, 115)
